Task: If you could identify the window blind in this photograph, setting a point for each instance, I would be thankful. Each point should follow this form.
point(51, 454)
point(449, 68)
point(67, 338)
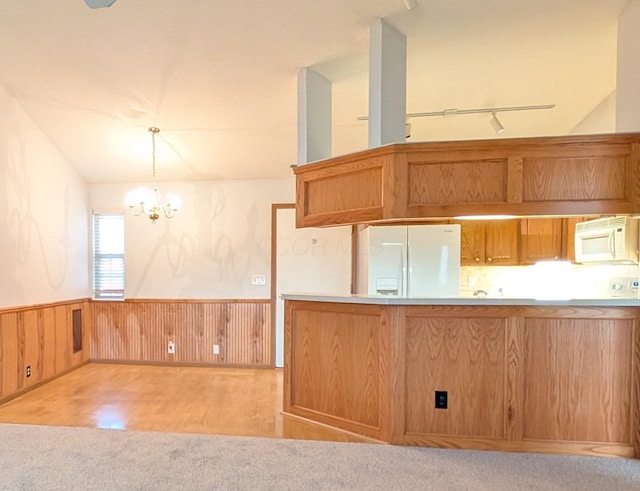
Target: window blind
point(108, 256)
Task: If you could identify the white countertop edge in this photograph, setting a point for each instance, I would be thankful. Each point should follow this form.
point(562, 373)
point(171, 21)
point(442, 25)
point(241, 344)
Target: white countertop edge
point(389, 300)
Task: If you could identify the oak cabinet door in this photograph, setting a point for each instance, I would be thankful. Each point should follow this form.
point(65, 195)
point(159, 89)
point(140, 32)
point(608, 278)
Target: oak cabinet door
point(501, 242)
point(541, 239)
point(489, 242)
point(471, 243)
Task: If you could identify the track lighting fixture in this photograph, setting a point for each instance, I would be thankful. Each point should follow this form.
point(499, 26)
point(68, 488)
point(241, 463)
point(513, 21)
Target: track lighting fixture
point(496, 124)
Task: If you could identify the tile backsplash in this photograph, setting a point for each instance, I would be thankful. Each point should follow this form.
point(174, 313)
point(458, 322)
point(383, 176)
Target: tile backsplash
point(552, 280)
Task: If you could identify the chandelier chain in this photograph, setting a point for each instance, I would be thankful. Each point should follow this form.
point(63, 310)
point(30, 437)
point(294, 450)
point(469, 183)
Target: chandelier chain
point(153, 130)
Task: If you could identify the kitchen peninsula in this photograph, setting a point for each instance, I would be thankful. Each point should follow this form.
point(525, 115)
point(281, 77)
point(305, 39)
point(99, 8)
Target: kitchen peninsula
point(556, 376)
point(500, 374)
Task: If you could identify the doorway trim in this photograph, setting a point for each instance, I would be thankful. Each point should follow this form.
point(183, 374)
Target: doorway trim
point(274, 271)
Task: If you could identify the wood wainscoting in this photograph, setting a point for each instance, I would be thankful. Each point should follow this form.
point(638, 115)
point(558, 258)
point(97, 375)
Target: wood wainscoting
point(555, 379)
point(139, 331)
point(40, 342)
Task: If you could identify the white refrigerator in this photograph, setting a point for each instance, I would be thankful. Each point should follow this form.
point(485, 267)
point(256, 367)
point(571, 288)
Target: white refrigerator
point(410, 260)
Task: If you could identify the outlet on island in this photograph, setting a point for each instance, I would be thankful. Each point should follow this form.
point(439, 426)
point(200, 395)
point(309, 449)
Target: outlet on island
point(441, 399)
point(171, 348)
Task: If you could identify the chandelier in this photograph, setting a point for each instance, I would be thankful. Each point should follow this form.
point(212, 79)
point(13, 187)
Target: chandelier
point(148, 201)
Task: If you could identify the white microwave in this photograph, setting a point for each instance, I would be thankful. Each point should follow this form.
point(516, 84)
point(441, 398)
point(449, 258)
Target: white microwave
point(607, 240)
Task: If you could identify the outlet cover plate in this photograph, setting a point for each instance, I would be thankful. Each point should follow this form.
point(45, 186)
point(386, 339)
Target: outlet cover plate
point(258, 280)
point(441, 399)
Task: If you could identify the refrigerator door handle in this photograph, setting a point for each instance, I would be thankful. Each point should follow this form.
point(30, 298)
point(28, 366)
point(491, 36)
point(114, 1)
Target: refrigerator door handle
point(405, 270)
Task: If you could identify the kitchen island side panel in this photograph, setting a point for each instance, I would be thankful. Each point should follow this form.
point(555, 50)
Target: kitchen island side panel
point(336, 370)
point(551, 379)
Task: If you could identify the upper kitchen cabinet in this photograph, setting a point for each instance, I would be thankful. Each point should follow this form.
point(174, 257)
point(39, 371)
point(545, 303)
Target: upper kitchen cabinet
point(488, 242)
point(541, 239)
point(573, 175)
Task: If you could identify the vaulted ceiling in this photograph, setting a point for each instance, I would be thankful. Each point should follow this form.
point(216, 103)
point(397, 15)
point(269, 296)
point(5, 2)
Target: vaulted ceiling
point(219, 77)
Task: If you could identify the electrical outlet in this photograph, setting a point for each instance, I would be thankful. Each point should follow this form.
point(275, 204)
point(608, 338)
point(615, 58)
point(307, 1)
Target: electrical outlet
point(28, 371)
point(216, 349)
point(171, 348)
point(441, 399)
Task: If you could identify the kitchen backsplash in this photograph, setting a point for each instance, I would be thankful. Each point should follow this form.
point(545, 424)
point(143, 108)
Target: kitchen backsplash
point(551, 280)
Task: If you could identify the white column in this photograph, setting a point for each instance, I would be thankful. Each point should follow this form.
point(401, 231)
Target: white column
point(628, 70)
point(314, 116)
point(387, 84)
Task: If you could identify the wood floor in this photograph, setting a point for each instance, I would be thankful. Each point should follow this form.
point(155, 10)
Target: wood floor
point(224, 401)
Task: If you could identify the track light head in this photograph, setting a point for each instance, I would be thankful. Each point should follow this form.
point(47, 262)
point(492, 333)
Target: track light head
point(496, 124)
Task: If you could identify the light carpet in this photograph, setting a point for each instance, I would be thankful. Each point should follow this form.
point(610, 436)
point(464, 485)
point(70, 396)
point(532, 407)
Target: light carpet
point(52, 457)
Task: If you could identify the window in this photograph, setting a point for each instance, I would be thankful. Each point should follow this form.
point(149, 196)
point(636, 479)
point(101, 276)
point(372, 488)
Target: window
point(108, 256)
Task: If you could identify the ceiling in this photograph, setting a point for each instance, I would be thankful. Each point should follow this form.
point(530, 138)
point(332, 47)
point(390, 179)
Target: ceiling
point(219, 77)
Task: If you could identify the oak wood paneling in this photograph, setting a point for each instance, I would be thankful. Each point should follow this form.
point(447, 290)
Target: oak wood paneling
point(514, 180)
point(540, 239)
point(569, 175)
point(28, 329)
point(578, 373)
point(49, 343)
point(12, 366)
point(465, 358)
point(574, 179)
point(345, 192)
point(472, 242)
point(489, 242)
point(635, 391)
point(336, 366)
point(139, 331)
point(558, 379)
point(38, 337)
point(514, 379)
point(434, 183)
point(501, 242)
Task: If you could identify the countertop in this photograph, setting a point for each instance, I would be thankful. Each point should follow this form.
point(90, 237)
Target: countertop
point(392, 300)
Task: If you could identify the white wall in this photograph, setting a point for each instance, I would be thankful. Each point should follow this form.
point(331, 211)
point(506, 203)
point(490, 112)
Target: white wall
point(628, 69)
point(211, 249)
point(44, 216)
point(602, 119)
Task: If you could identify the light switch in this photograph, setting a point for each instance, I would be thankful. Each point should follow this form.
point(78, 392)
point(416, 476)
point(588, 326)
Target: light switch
point(258, 280)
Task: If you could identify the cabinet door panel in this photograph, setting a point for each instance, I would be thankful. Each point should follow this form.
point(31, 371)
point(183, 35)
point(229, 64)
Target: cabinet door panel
point(471, 243)
point(501, 242)
point(541, 239)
